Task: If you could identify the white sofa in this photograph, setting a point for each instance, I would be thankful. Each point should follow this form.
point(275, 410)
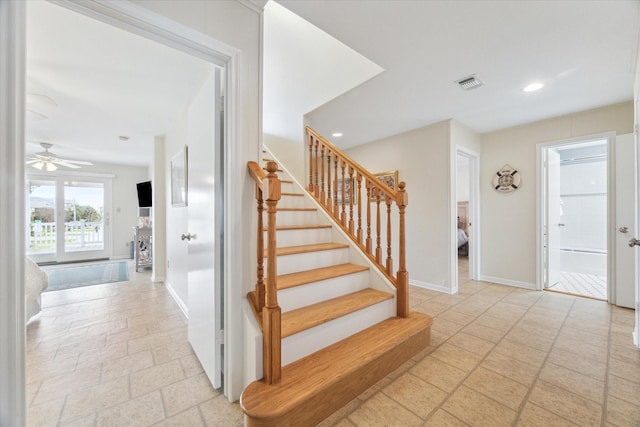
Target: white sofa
point(36, 281)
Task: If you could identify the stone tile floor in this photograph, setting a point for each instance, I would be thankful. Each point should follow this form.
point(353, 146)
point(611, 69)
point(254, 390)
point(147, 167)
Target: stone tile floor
point(117, 354)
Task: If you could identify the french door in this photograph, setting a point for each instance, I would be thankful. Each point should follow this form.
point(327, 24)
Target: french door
point(68, 218)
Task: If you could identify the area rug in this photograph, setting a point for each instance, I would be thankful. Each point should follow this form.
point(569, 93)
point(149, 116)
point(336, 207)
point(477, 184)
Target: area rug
point(78, 276)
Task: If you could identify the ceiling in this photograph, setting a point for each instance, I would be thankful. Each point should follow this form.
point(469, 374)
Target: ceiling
point(583, 51)
point(110, 83)
point(106, 83)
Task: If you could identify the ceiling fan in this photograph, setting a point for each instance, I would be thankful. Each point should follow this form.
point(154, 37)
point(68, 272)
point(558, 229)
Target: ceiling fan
point(49, 162)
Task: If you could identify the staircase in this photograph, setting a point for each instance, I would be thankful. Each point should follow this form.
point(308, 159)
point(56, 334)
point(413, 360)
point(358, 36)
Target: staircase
point(339, 332)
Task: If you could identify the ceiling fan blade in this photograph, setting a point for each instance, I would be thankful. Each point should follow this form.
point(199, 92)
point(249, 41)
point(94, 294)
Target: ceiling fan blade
point(32, 115)
point(79, 162)
point(38, 99)
point(64, 163)
point(32, 161)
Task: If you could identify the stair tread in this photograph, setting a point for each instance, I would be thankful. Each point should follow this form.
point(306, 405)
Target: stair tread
point(291, 280)
point(314, 377)
point(300, 227)
point(303, 249)
point(297, 209)
point(304, 318)
point(293, 194)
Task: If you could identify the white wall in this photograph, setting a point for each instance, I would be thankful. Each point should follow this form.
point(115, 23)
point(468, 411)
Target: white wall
point(422, 159)
point(124, 202)
point(508, 220)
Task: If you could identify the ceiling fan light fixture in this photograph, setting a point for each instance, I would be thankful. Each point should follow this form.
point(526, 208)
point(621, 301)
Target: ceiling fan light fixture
point(38, 165)
point(50, 167)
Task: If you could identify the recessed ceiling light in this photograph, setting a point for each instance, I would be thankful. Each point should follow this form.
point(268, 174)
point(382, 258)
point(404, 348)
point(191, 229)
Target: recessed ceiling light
point(533, 87)
point(336, 134)
point(123, 138)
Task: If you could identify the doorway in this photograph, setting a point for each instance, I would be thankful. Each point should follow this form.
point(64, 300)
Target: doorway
point(466, 230)
point(68, 218)
point(575, 218)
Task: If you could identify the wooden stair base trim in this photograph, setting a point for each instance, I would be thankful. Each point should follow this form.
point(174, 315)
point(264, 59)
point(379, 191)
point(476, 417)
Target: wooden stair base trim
point(303, 249)
point(292, 194)
point(317, 385)
point(307, 317)
point(286, 281)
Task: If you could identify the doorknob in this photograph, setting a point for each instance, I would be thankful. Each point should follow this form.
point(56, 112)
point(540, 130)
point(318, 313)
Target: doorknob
point(634, 242)
point(188, 237)
point(623, 229)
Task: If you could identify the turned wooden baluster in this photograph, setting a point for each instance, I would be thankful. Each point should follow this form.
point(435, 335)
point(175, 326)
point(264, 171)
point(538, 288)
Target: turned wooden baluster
point(315, 186)
point(359, 232)
point(378, 195)
point(259, 295)
point(370, 195)
point(343, 215)
point(402, 277)
point(389, 259)
point(271, 313)
point(329, 201)
point(352, 199)
point(310, 187)
point(335, 186)
point(322, 194)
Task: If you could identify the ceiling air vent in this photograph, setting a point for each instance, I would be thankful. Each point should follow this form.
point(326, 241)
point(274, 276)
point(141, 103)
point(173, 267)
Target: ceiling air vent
point(469, 83)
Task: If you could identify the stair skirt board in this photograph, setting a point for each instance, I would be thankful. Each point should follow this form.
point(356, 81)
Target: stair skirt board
point(286, 264)
point(306, 342)
point(307, 236)
point(311, 293)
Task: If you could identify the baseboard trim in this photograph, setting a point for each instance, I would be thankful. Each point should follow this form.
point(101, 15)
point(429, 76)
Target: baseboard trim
point(508, 282)
point(177, 299)
point(431, 286)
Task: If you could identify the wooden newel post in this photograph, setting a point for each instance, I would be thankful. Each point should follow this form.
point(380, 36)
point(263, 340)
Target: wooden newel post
point(271, 312)
point(402, 199)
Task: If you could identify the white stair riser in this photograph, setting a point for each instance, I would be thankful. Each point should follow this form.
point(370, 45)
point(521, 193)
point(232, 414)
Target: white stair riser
point(288, 187)
point(296, 218)
point(306, 342)
point(307, 236)
point(311, 293)
point(293, 202)
point(310, 260)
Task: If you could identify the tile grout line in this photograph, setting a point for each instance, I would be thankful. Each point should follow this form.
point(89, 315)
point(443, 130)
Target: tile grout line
point(607, 373)
point(449, 394)
point(542, 365)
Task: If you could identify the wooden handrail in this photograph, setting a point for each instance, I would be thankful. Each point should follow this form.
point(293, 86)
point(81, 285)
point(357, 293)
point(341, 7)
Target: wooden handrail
point(256, 172)
point(339, 199)
point(355, 165)
point(264, 299)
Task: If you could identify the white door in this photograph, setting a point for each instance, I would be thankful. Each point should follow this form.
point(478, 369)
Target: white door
point(553, 221)
point(204, 203)
point(625, 221)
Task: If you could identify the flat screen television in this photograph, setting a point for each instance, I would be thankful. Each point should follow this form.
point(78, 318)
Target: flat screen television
point(144, 194)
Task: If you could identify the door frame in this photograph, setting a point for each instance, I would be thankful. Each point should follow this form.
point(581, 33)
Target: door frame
point(144, 22)
point(474, 212)
point(611, 208)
